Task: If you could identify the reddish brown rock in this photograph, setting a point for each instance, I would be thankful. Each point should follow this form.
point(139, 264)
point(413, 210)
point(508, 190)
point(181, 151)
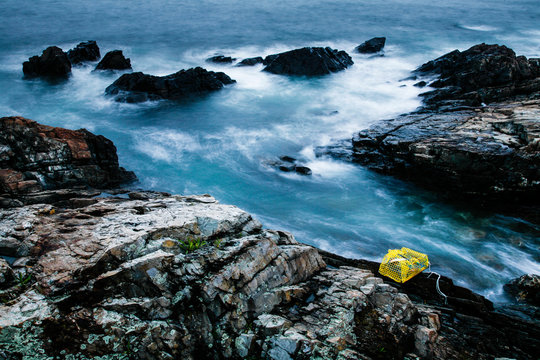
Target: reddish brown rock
point(35, 157)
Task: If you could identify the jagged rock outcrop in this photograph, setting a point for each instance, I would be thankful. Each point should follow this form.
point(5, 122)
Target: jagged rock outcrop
point(83, 52)
point(221, 59)
point(138, 87)
point(114, 60)
point(35, 157)
point(309, 61)
point(52, 63)
point(482, 74)
point(116, 277)
point(371, 46)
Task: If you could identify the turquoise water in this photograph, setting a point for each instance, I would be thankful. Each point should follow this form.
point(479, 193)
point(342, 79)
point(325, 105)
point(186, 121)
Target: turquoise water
point(219, 144)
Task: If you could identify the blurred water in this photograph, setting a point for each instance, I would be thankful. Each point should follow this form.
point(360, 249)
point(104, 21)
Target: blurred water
point(219, 144)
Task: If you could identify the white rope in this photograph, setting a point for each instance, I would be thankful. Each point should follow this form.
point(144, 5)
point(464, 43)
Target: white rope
point(437, 284)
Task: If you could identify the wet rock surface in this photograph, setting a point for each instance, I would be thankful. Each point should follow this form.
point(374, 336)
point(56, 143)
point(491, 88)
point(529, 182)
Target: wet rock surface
point(525, 288)
point(459, 147)
point(35, 157)
point(84, 52)
point(52, 63)
point(114, 60)
point(309, 61)
point(116, 277)
point(138, 87)
point(371, 46)
point(490, 152)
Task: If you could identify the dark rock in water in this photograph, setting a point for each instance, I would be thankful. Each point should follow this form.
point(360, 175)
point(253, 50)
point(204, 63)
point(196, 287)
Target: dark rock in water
point(289, 164)
point(53, 62)
point(286, 168)
point(251, 61)
point(114, 60)
point(310, 61)
point(302, 170)
point(221, 59)
point(35, 157)
point(482, 74)
point(83, 52)
point(137, 87)
point(287, 159)
point(421, 84)
point(372, 45)
point(525, 288)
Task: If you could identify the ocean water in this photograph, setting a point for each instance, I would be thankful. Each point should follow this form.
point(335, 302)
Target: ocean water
point(220, 143)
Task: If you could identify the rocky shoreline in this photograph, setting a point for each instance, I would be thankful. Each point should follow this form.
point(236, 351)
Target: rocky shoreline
point(87, 272)
point(146, 275)
point(476, 138)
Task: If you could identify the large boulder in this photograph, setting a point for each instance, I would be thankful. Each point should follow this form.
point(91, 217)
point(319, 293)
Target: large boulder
point(114, 60)
point(310, 61)
point(372, 45)
point(137, 87)
point(53, 62)
point(35, 157)
point(482, 74)
point(83, 52)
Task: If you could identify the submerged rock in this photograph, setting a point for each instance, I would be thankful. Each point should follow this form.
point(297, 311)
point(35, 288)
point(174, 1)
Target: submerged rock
point(289, 164)
point(251, 61)
point(310, 61)
point(221, 59)
point(35, 157)
point(53, 62)
point(114, 60)
point(137, 87)
point(83, 52)
point(525, 288)
point(371, 46)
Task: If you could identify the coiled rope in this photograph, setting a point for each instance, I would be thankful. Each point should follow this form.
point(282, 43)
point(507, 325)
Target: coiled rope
point(437, 287)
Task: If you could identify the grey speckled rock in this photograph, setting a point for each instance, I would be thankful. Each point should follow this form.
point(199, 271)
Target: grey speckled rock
point(112, 277)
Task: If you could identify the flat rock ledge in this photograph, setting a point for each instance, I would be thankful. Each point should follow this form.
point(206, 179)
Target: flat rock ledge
point(111, 278)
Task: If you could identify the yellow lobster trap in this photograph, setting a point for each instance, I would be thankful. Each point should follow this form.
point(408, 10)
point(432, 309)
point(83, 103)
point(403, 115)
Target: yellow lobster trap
point(403, 264)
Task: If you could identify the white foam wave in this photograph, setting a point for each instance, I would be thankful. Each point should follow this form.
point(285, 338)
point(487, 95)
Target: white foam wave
point(483, 28)
point(169, 146)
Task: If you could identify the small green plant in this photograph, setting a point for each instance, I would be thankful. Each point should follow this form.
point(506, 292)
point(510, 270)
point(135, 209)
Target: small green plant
point(217, 243)
point(23, 279)
point(191, 244)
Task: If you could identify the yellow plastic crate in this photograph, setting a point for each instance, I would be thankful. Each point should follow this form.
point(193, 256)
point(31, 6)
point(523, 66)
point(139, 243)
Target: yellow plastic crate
point(402, 265)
